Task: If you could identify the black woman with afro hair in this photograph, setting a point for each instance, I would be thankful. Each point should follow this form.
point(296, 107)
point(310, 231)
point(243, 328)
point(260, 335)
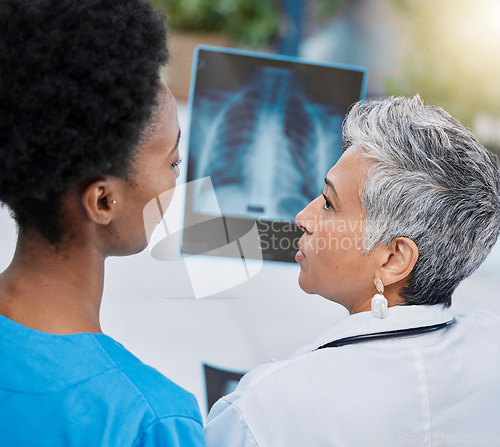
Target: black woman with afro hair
point(88, 136)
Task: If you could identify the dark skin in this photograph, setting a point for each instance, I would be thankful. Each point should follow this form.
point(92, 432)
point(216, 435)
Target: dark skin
point(58, 289)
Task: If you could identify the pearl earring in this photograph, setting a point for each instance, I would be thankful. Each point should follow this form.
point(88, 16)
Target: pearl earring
point(379, 301)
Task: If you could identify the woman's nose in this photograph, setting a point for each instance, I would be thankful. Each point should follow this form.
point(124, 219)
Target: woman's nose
point(304, 219)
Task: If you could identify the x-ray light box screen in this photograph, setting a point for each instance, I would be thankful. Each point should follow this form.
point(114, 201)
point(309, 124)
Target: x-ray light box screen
point(264, 131)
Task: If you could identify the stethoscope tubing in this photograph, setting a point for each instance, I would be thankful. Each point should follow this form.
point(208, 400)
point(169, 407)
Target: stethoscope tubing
point(400, 333)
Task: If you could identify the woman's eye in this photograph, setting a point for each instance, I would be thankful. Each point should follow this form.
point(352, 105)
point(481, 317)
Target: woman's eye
point(177, 163)
point(328, 205)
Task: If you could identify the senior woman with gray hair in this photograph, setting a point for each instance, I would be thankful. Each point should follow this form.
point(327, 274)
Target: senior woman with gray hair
point(411, 209)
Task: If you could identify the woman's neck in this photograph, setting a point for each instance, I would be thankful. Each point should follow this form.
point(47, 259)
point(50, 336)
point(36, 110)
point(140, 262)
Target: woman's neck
point(53, 289)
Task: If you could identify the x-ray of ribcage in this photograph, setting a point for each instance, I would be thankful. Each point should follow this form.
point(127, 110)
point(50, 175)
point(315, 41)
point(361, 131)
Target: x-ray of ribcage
point(266, 147)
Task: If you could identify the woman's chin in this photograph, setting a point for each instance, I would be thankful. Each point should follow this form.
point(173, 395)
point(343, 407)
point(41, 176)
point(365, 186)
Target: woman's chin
point(305, 284)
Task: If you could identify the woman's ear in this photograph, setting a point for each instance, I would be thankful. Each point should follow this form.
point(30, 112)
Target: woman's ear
point(98, 201)
point(402, 255)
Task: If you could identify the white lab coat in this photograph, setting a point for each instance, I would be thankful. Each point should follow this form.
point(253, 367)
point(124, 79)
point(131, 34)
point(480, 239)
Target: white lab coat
point(434, 389)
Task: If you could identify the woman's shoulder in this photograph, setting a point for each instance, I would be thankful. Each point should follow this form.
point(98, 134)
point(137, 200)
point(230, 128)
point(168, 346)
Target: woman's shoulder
point(162, 395)
point(479, 325)
point(478, 318)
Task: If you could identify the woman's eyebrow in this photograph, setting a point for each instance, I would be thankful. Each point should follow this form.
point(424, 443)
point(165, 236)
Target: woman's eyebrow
point(330, 184)
point(177, 142)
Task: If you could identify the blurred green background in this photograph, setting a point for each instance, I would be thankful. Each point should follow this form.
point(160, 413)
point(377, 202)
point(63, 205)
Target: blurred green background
point(253, 23)
point(446, 50)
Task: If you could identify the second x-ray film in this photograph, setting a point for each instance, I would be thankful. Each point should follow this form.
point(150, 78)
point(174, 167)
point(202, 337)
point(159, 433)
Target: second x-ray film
point(264, 131)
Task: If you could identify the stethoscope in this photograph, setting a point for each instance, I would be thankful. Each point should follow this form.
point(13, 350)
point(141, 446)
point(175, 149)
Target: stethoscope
point(385, 335)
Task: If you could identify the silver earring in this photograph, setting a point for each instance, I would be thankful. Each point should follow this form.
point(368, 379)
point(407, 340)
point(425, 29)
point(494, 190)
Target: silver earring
point(379, 301)
point(113, 202)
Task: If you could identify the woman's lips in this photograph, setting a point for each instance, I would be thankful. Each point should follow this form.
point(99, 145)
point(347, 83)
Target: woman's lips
point(299, 256)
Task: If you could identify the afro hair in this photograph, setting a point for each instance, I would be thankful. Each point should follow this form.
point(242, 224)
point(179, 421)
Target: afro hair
point(78, 84)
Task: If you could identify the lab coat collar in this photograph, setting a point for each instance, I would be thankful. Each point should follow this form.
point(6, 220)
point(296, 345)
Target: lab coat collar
point(399, 318)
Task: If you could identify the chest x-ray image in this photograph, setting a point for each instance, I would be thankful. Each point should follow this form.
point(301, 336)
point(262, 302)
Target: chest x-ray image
point(265, 130)
point(265, 146)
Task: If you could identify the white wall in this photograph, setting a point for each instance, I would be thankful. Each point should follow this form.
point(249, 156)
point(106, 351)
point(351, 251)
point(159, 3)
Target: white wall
point(146, 307)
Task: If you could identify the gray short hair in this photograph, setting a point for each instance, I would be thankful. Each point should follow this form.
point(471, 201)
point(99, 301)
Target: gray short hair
point(431, 181)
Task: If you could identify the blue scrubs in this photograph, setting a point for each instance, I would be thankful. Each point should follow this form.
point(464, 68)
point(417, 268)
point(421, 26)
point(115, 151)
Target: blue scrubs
point(87, 390)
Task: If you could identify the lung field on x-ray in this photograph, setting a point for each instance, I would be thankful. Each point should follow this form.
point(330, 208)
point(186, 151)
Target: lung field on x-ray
point(266, 147)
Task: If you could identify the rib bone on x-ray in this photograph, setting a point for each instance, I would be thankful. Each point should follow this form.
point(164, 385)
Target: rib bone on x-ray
point(267, 146)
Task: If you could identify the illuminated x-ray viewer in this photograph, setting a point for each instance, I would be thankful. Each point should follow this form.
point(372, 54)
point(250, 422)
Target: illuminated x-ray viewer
point(264, 131)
